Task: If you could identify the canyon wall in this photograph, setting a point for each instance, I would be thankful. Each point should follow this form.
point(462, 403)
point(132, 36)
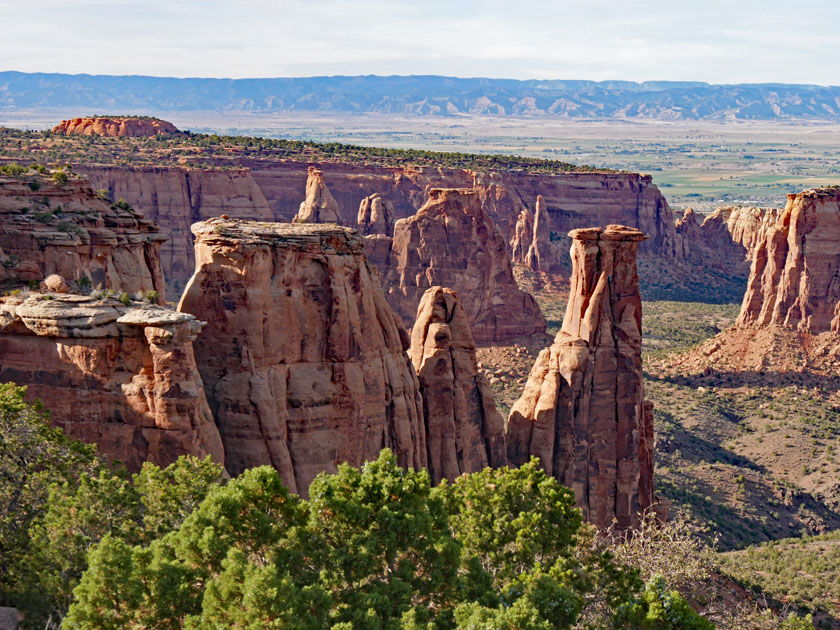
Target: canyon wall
point(303, 361)
point(583, 411)
point(265, 190)
point(464, 430)
point(452, 242)
point(121, 376)
point(49, 228)
point(795, 275)
point(175, 198)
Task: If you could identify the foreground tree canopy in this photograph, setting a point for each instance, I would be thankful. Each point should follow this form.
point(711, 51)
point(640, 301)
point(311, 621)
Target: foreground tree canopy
point(89, 547)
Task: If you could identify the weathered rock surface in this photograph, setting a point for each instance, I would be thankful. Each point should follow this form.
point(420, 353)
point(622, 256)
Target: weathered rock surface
point(115, 126)
point(66, 230)
point(531, 243)
point(303, 361)
point(464, 430)
point(725, 239)
point(319, 205)
point(376, 216)
point(451, 242)
point(583, 410)
point(795, 275)
point(175, 198)
point(123, 377)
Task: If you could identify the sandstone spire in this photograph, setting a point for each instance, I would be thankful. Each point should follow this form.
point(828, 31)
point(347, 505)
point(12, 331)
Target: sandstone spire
point(376, 216)
point(303, 361)
point(319, 206)
point(452, 242)
point(583, 411)
point(465, 431)
point(542, 254)
point(523, 233)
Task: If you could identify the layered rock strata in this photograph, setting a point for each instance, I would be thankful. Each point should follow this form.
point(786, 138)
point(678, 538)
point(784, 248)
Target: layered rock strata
point(47, 228)
point(795, 275)
point(319, 206)
point(531, 244)
point(583, 410)
point(303, 361)
point(123, 377)
point(451, 242)
point(376, 216)
point(175, 198)
point(464, 430)
point(129, 127)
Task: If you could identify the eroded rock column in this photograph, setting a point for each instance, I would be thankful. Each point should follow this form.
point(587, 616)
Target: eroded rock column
point(583, 410)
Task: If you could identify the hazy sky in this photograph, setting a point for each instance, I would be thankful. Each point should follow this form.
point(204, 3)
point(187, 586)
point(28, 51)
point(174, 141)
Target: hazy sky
point(719, 41)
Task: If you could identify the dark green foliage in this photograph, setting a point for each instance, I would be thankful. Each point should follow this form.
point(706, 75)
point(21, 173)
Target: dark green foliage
point(660, 609)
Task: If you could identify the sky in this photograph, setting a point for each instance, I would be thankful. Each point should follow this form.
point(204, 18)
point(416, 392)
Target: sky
point(718, 41)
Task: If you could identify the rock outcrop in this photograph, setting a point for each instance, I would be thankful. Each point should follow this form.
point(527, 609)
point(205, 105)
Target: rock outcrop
point(121, 376)
point(464, 430)
point(531, 244)
point(128, 127)
point(376, 216)
point(175, 198)
point(319, 206)
point(303, 361)
point(65, 229)
point(583, 410)
point(451, 242)
point(725, 239)
point(795, 275)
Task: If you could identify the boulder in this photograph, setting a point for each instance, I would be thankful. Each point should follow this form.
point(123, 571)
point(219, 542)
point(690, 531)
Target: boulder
point(303, 361)
point(465, 431)
point(583, 410)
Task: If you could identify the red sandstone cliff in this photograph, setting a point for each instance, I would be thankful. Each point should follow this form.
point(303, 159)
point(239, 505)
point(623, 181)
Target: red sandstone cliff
point(65, 229)
point(376, 216)
point(123, 377)
point(115, 126)
point(319, 205)
point(464, 430)
point(303, 361)
point(451, 242)
point(175, 198)
point(531, 244)
point(583, 410)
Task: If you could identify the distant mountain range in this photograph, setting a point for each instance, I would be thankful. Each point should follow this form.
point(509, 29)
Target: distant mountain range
point(426, 95)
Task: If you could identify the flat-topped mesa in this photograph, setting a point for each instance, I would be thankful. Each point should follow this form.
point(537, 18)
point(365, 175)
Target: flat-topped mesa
point(319, 206)
point(583, 410)
point(303, 361)
point(120, 376)
point(376, 216)
point(793, 280)
point(49, 227)
point(465, 431)
point(113, 126)
point(452, 242)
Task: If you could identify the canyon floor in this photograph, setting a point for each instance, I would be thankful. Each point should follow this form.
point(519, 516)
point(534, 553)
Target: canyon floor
point(747, 457)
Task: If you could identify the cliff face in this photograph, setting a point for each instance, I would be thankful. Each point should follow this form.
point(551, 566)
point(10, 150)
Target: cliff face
point(175, 198)
point(583, 411)
point(376, 216)
point(123, 377)
point(66, 230)
point(725, 239)
point(451, 242)
point(795, 275)
point(303, 361)
point(108, 126)
point(465, 431)
point(531, 244)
